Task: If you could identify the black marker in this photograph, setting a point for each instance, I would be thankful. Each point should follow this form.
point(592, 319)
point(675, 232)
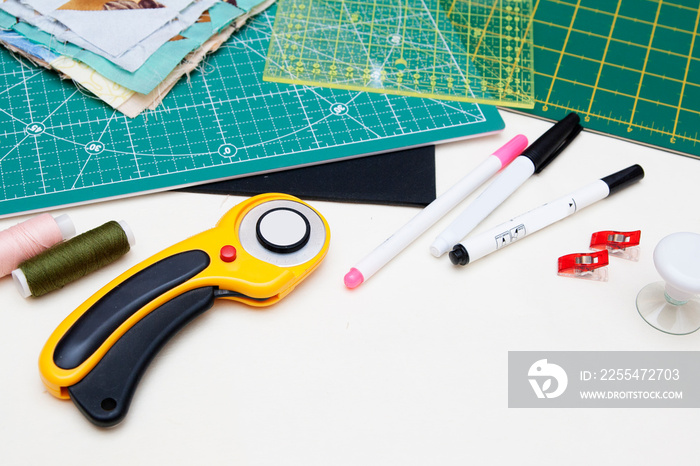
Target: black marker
point(501, 236)
point(533, 160)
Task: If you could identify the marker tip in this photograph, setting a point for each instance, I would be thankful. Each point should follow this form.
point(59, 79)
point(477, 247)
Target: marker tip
point(353, 278)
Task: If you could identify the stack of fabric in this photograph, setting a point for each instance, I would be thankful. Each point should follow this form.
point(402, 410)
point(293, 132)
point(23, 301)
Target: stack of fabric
point(128, 53)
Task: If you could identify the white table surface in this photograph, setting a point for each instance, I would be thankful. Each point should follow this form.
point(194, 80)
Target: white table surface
point(408, 369)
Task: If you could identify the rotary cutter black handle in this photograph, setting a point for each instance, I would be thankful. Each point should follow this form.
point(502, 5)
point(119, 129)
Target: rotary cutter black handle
point(104, 394)
point(101, 320)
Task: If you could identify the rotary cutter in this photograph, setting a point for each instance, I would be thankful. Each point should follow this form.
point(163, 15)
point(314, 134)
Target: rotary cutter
point(257, 253)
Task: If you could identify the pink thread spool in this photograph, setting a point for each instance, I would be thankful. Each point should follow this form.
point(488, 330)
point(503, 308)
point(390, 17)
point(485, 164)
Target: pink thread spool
point(31, 237)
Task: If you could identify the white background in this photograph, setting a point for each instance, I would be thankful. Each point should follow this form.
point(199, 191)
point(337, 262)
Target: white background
point(409, 369)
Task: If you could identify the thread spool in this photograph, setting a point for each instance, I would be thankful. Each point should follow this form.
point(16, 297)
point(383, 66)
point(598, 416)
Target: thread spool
point(32, 237)
point(68, 261)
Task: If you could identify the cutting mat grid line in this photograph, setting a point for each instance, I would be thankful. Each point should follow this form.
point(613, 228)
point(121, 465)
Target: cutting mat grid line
point(58, 146)
point(631, 68)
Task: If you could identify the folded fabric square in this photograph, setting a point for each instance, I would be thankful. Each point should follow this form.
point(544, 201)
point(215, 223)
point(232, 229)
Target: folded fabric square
point(130, 59)
point(101, 24)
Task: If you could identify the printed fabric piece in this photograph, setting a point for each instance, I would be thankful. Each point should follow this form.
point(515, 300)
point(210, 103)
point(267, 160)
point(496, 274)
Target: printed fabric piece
point(30, 48)
point(97, 5)
point(108, 91)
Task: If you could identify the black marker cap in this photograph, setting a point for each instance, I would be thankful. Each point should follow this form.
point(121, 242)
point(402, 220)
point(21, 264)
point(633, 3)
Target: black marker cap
point(459, 255)
point(623, 178)
point(553, 141)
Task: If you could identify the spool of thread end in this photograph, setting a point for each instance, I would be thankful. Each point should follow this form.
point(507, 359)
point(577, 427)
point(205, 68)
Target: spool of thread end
point(65, 224)
point(129, 234)
point(73, 259)
point(21, 283)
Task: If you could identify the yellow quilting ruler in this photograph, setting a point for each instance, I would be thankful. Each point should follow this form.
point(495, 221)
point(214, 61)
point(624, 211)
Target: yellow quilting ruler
point(463, 50)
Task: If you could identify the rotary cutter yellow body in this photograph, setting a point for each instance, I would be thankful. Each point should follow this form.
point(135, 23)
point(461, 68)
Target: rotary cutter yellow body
point(257, 253)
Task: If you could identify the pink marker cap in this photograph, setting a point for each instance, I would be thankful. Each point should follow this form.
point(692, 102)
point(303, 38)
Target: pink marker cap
point(511, 150)
point(353, 278)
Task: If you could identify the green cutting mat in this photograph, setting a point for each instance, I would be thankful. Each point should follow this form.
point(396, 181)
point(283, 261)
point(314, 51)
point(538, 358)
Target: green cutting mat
point(630, 68)
point(461, 50)
point(58, 146)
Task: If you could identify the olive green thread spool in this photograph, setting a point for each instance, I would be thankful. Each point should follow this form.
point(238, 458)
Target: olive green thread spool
point(73, 259)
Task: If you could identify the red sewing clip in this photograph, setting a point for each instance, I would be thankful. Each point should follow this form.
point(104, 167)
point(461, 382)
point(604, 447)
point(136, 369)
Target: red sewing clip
point(622, 244)
point(588, 265)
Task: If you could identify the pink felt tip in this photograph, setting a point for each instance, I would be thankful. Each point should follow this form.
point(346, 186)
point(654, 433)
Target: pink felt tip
point(353, 278)
point(511, 150)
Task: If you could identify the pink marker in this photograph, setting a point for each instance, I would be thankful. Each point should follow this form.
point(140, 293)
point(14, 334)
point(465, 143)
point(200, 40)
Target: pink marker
point(433, 212)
